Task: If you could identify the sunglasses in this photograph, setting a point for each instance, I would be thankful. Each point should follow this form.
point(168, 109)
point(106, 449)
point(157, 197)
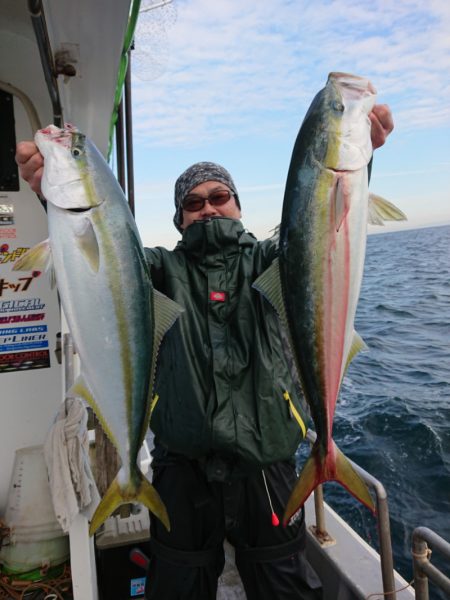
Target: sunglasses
point(193, 202)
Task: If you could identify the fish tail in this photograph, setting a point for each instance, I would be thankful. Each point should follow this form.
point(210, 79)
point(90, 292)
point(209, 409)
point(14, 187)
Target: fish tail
point(321, 467)
point(349, 478)
point(149, 497)
point(115, 496)
point(310, 477)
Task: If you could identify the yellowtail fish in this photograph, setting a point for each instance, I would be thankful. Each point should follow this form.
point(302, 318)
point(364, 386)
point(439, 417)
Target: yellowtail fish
point(316, 281)
point(116, 318)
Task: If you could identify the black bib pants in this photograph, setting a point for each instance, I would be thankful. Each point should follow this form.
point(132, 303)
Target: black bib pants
point(186, 562)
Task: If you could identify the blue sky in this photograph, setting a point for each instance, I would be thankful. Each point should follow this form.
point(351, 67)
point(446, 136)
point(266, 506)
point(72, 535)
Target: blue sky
point(223, 82)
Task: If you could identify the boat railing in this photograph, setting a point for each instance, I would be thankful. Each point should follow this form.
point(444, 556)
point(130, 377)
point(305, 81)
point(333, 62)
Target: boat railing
point(383, 523)
point(423, 541)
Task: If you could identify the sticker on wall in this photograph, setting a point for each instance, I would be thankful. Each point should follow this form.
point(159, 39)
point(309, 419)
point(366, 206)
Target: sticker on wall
point(24, 361)
point(8, 233)
point(22, 318)
point(17, 284)
point(21, 305)
point(6, 213)
point(137, 587)
point(23, 338)
point(9, 255)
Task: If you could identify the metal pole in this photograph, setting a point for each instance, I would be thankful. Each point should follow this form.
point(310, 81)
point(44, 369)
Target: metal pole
point(319, 509)
point(82, 553)
point(40, 30)
point(419, 549)
point(384, 535)
point(423, 569)
point(69, 351)
point(129, 135)
point(384, 530)
point(120, 147)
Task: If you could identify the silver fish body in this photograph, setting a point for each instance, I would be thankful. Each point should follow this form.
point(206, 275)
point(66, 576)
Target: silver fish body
point(322, 251)
point(115, 317)
point(321, 259)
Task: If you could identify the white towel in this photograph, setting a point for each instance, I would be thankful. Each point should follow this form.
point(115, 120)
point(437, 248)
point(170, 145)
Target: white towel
point(66, 452)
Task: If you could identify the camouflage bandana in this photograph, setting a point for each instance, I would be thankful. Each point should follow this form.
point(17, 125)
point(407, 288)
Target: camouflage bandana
point(195, 175)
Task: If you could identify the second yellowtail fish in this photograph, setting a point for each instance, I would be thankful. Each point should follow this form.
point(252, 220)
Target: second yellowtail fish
point(315, 284)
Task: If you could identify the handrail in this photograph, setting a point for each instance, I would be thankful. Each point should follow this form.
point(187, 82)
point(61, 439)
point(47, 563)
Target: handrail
point(423, 569)
point(383, 523)
point(124, 140)
point(129, 135)
point(36, 11)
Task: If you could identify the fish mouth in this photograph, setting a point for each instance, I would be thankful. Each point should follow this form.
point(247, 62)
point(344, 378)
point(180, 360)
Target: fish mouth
point(61, 136)
point(339, 171)
point(80, 209)
point(352, 82)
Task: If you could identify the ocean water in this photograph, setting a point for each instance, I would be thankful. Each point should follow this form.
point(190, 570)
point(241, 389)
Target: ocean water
point(393, 417)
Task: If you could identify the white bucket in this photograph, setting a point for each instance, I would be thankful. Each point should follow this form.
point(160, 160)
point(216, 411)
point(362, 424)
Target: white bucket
point(36, 538)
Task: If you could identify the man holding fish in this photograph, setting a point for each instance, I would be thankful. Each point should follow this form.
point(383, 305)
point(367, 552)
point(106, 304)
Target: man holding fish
point(227, 408)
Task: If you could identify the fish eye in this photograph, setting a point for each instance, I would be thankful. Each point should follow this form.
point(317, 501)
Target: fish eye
point(78, 144)
point(338, 106)
point(76, 152)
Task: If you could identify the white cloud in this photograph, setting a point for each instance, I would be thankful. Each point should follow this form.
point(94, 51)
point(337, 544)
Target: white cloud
point(233, 69)
point(243, 71)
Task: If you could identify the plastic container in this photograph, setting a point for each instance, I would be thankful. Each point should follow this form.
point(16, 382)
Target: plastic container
point(36, 538)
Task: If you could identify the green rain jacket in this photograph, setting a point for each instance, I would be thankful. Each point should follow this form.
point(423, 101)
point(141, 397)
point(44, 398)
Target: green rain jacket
point(224, 385)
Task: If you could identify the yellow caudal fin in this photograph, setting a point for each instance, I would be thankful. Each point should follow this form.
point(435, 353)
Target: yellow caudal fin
point(319, 468)
point(349, 478)
point(149, 497)
point(115, 496)
point(309, 479)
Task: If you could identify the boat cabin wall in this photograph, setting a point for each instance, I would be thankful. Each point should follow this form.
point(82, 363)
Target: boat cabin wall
point(30, 376)
point(89, 37)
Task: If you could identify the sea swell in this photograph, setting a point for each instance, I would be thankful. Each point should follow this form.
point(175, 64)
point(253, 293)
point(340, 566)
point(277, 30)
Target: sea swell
point(393, 414)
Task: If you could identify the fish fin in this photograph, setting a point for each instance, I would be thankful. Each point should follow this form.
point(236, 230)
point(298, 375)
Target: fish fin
point(309, 479)
point(358, 345)
point(166, 312)
point(149, 497)
point(381, 210)
point(349, 478)
point(86, 239)
point(115, 496)
point(80, 389)
point(269, 285)
point(108, 504)
point(38, 258)
point(133, 233)
point(341, 202)
point(317, 470)
point(275, 237)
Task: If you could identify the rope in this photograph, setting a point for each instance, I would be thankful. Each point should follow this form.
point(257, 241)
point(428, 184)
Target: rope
point(45, 588)
point(425, 554)
point(54, 589)
point(390, 593)
point(267, 490)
